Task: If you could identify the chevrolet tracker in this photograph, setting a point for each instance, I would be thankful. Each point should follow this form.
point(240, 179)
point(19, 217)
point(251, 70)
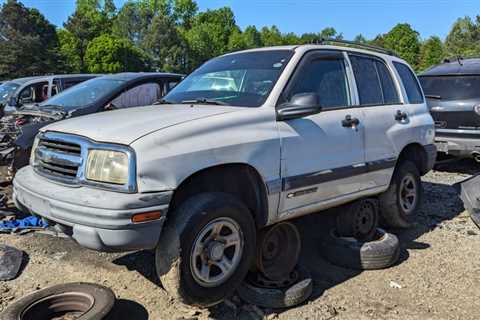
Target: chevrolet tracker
point(247, 140)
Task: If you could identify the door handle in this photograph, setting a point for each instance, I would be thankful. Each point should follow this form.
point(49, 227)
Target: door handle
point(400, 115)
point(349, 122)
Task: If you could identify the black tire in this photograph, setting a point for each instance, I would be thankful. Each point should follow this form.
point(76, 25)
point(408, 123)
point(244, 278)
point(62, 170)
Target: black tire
point(393, 213)
point(173, 254)
point(353, 254)
point(89, 301)
point(358, 219)
point(277, 298)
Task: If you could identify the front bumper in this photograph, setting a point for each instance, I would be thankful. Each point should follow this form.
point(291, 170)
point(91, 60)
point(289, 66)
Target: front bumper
point(96, 219)
point(458, 146)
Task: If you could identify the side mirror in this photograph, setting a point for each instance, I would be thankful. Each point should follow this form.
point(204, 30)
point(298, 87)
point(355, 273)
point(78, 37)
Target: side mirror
point(299, 106)
point(12, 102)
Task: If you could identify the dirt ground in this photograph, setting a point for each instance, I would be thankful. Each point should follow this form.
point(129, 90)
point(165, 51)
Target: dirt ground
point(437, 277)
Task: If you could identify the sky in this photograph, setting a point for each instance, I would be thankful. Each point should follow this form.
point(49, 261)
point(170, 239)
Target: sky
point(351, 17)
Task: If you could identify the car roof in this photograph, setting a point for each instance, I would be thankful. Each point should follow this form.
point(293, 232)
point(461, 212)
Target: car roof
point(456, 66)
point(22, 80)
point(307, 47)
point(129, 76)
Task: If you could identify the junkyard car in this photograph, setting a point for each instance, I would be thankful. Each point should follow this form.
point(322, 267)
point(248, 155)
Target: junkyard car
point(453, 96)
point(33, 90)
point(124, 90)
point(284, 132)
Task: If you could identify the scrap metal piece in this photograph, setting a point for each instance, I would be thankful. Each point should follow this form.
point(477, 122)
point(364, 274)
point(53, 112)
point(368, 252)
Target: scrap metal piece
point(470, 195)
point(10, 262)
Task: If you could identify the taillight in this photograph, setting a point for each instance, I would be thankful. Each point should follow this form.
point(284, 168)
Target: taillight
point(477, 109)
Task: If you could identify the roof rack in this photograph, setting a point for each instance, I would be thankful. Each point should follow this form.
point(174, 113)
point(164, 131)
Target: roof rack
point(358, 45)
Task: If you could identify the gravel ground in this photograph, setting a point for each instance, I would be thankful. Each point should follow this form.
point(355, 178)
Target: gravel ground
point(437, 277)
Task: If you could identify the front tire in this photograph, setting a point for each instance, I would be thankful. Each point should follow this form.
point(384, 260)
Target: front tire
point(402, 199)
point(206, 249)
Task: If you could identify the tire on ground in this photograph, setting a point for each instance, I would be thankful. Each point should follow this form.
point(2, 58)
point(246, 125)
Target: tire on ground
point(353, 254)
point(393, 213)
point(277, 298)
point(172, 258)
point(88, 300)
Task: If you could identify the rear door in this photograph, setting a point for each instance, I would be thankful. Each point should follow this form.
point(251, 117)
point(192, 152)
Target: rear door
point(379, 97)
point(322, 154)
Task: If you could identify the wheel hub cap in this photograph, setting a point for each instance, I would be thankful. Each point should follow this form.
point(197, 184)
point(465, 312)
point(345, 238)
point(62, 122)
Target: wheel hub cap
point(215, 251)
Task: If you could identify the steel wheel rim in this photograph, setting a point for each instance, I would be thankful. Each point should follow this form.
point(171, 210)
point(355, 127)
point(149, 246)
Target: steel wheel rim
point(216, 252)
point(364, 221)
point(408, 194)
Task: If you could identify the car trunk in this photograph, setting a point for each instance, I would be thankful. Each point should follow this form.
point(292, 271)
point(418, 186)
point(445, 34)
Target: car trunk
point(457, 115)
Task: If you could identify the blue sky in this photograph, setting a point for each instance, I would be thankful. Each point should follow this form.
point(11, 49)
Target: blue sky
point(369, 17)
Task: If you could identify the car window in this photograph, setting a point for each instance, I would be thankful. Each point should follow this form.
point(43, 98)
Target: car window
point(451, 87)
point(327, 78)
point(141, 95)
point(367, 79)
point(390, 93)
point(34, 93)
point(414, 93)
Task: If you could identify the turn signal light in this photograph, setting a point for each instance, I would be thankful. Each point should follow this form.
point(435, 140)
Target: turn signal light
point(146, 216)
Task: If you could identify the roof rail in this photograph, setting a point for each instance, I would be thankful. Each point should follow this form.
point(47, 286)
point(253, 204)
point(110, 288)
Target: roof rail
point(358, 45)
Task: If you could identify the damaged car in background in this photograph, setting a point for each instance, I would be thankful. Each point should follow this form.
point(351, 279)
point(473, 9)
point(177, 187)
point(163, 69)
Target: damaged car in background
point(18, 130)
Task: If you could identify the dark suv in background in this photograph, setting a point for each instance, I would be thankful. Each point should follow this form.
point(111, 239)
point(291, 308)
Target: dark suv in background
point(452, 90)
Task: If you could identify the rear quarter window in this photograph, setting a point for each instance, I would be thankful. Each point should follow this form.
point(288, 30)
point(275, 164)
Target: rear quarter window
point(410, 83)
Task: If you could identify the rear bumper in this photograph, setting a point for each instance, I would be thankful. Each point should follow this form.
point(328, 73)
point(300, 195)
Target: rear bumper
point(96, 219)
point(458, 146)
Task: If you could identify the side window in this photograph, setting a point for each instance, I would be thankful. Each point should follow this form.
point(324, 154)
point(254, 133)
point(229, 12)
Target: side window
point(327, 78)
point(390, 93)
point(368, 82)
point(141, 95)
point(410, 83)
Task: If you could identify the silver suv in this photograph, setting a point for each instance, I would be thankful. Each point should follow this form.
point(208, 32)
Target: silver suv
point(247, 140)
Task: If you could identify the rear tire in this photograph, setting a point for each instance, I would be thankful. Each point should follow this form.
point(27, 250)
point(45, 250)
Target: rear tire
point(400, 202)
point(206, 249)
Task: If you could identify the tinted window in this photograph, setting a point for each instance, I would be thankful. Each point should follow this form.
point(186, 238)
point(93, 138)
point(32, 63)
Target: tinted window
point(390, 94)
point(241, 79)
point(452, 87)
point(325, 77)
point(368, 82)
point(410, 83)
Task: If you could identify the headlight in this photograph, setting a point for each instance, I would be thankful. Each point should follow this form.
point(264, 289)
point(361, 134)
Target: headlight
point(107, 166)
point(34, 147)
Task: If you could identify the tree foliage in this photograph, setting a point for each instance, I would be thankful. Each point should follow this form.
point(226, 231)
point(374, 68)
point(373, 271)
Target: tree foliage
point(405, 41)
point(464, 37)
point(28, 42)
point(109, 54)
point(431, 53)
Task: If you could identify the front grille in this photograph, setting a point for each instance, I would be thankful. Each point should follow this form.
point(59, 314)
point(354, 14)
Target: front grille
point(58, 158)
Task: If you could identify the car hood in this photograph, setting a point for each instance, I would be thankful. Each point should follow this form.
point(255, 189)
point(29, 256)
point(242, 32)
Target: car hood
point(127, 125)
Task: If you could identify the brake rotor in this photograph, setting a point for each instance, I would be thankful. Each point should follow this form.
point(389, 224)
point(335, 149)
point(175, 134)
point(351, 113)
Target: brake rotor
point(278, 250)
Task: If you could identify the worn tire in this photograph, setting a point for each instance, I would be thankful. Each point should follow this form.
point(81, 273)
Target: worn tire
point(173, 252)
point(391, 210)
point(279, 297)
point(353, 254)
point(102, 297)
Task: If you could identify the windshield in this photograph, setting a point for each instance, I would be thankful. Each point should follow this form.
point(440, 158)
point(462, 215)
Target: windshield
point(6, 91)
point(451, 87)
point(84, 94)
point(241, 79)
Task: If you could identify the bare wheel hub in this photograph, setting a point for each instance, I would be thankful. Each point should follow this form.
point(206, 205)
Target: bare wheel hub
point(216, 252)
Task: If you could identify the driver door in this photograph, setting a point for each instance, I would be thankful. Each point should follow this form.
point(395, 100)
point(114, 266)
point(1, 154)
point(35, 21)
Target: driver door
point(322, 154)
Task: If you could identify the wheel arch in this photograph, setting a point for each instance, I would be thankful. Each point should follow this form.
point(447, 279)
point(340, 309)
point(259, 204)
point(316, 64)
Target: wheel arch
point(241, 180)
point(417, 154)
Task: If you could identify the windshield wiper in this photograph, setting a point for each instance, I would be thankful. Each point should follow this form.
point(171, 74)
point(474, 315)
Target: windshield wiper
point(433, 96)
point(204, 101)
point(162, 101)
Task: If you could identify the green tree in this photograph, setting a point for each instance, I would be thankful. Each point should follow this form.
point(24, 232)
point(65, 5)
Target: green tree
point(165, 45)
point(184, 12)
point(464, 37)
point(271, 36)
point(133, 21)
point(248, 39)
point(91, 19)
point(325, 34)
point(431, 53)
point(360, 39)
point(405, 41)
point(28, 42)
point(109, 54)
